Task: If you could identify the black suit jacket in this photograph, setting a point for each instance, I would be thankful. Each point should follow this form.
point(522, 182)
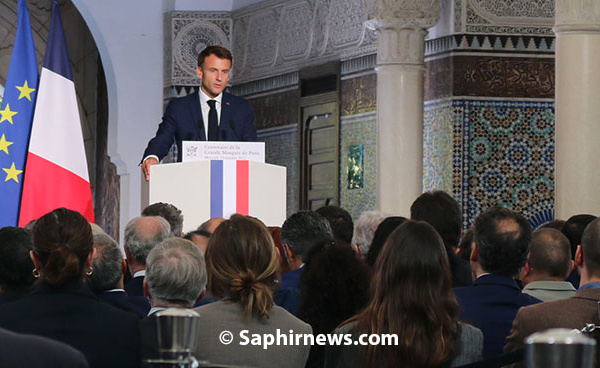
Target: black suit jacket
point(183, 121)
point(135, 287)
point(136, 304)
point(18, 351)
point(72, 314)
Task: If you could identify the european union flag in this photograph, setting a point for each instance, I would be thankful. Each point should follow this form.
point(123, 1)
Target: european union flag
point(16, 114)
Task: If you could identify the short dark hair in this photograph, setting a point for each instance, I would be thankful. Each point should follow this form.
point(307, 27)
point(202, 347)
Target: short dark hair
point(170, 213)
point(385, 228)
point(15, 263)
point(573, 229)
point(590, 247)
point(305, 229)
point(466, 245)
point(550, 253)
point(217, 50)
point(441, 211)
point(107, 264)
point(502, 237)
point(340, 221)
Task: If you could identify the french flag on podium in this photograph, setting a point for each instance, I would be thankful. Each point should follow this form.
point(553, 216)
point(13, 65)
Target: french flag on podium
point(229, 176)
point(56, 173)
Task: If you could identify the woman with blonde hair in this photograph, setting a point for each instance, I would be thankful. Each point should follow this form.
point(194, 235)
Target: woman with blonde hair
point(243, 272)
point(412, 298)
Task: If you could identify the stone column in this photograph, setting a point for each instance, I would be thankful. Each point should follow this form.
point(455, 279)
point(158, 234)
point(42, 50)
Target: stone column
point(401, 27)
point(577, 28)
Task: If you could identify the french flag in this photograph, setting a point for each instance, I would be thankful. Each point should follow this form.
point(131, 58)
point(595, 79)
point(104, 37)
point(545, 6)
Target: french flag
point(56, 172)
point(229, 188)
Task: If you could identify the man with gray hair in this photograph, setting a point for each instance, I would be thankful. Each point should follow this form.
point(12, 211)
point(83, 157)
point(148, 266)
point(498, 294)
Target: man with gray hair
point(141, 235)
point(548, 265)
point(175, 278)
point(364, 229)
point(107, 279)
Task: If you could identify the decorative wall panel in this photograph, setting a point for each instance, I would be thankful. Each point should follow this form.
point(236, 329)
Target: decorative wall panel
point(438, 145)
point(276, 109)
point(359, 95)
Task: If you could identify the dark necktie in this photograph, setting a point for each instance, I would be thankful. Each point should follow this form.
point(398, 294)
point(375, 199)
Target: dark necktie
point(213, 122)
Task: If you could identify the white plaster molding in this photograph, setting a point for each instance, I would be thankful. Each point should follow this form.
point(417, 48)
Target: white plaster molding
point(577, 16)
point(402, 13)
point(515, 12)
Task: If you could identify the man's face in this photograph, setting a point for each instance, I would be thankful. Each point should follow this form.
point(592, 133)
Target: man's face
point(214, 74)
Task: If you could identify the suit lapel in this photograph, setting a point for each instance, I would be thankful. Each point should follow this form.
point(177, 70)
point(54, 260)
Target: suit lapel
point(197, 114)
point(225, 116)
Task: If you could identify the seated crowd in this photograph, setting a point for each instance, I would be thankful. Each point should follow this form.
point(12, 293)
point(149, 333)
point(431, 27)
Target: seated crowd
point(450, 298)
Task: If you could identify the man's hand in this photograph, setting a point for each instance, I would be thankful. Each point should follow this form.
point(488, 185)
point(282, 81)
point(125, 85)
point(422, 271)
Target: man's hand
point(146, 166)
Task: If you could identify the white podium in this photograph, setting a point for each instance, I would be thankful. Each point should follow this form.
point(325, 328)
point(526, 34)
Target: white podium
point(220, 188)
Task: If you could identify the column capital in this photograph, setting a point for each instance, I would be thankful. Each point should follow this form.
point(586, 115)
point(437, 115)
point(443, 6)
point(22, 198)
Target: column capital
point(396, 14)
point(577, 16)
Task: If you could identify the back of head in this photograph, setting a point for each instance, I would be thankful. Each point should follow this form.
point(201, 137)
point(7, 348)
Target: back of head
point(340, 221)
point(242, 265)
point(502, 237)
point(573, 230)
point(303, 230)
point(466, 245)
point(333, 287)
point(365, 228)
point(175, 273)
point(441, 211)
point(170, 213)
point(412, 296)
point(549, 254)
point(556, 224)
point(385, 228)
point(15, 263)
point(144, 233)
point(107, 264)
point(590, 248)
point(62, 241)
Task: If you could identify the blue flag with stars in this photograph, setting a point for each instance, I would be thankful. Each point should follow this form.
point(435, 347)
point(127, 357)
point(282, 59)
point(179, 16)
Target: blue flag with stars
point(16, 113)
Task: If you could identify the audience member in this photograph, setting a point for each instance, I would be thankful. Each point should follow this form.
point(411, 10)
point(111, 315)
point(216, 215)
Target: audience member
point(209, 226)
point(441, 211)
point(499, 251)
point(62, 307)
point(466, 245)
point(276, 235)
point(573, 229)
point(141, 235)
point(364, 230)
point(383, 231)
point(571, 313)
point(334, 286)
point(107, 279)
point(16, 279)
point(412, 298)
point(175, 278)
point(200, 238)
point(554, 224)
point(242, 270)
point(548, 265)
point(18, 350)
point(340, 221)
point(170, 213)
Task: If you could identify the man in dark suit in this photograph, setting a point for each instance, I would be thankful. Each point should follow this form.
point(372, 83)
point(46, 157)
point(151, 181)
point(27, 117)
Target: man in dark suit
point(208, 115)
point(499, 251)
point(441, 211)
point(19, 350)
point(16, 279)
point(141, 235)
point(574, 312)
point(175, 278)
point(107, 279)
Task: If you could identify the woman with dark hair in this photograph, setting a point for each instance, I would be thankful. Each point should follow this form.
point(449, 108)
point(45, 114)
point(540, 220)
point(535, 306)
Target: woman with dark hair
point(411, 297)
point(383, 231)
point(243, 271)
point(62, 307)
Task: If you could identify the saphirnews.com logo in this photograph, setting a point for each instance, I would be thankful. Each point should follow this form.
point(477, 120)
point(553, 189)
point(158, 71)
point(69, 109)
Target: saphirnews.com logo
point(245, 338)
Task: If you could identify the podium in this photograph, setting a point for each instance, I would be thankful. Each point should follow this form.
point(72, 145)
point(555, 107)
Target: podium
point(220, 188)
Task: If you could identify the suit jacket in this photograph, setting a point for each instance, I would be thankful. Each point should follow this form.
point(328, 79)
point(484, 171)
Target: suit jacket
point(460, 269)
point(18, 350)
point(136, 304)
point(570, 313)
point(227, 316)
point(135, 286)
point(183, 121)
point(72, 314)
point(491, 304)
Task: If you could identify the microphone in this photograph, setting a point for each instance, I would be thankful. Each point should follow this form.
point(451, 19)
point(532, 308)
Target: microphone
point(232, 126)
